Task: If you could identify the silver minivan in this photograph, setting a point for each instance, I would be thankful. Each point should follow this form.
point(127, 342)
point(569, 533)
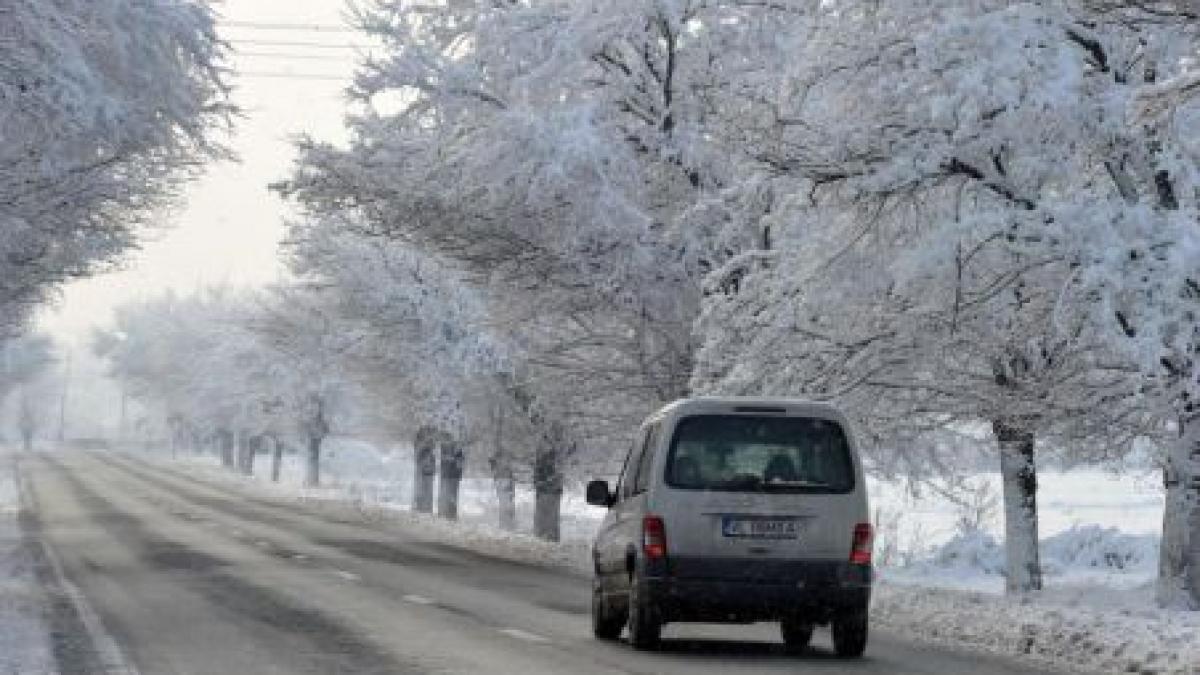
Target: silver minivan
point(736, 510)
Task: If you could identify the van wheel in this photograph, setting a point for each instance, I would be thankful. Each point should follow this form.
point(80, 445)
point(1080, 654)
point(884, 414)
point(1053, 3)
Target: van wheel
point(850, 634)
point(606, 624)
point(796, 635)
point(645, 623)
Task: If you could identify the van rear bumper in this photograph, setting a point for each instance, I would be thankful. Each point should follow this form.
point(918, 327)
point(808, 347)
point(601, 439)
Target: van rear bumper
point(740, 589)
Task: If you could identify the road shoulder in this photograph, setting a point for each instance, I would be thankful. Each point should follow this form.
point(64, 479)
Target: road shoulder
point(25, 642)
point(63, 634)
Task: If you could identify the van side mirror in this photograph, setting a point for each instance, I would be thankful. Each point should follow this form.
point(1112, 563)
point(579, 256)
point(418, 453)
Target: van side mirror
point(598, 494)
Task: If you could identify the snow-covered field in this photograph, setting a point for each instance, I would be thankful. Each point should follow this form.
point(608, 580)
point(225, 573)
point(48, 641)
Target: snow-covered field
point(940, 579)
point(1097, 527)
point(24, 643)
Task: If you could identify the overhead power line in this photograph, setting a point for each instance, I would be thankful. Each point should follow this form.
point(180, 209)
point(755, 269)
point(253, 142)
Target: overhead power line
point(285, 26)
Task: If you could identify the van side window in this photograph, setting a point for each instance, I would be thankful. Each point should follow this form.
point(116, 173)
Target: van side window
point(629, 479)
point(625, 481)
point(642, 480)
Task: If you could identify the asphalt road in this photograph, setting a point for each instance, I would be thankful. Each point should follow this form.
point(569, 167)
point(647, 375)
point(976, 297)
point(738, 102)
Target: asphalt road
point(188, 576)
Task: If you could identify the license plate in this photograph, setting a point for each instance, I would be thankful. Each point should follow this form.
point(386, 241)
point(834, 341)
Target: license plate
point(760, 528)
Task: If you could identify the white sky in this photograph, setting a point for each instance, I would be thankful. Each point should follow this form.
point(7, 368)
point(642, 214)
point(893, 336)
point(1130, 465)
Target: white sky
point(228, 230)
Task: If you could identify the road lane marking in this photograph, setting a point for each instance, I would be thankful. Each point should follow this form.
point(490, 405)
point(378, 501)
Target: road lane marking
point(524, 635)
point(418, 600)
point(348, 576)
point(113, 659)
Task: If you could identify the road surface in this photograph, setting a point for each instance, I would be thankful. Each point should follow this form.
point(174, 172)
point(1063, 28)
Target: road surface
point(189, 576)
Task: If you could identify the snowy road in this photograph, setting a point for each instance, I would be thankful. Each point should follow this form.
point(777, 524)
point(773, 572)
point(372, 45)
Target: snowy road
point(191, 577)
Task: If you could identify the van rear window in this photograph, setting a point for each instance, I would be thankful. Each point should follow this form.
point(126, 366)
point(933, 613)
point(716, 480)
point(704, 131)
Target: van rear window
point(742, 453)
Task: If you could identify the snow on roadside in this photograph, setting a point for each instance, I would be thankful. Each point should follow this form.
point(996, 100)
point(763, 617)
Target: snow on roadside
point(24, 634)
point(1082, 638)
point(1084, 556)
point(1097, 613)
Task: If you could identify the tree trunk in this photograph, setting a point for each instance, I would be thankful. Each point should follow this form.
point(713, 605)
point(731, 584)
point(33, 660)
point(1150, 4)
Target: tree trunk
point(27, 439)
point(1179, 553)
point(450, 465)
point(505, 483)
point(552, 447)
point(276, 458)
point(506, 501)
point(424, 468)
point(503, 478)
point(252, 456)
point(245, 453)
point(312, 473)
point(1018, 473)
point(548, 486)
point(547, 512)
point(316, 428)
point(254, 443)
point(225, 448)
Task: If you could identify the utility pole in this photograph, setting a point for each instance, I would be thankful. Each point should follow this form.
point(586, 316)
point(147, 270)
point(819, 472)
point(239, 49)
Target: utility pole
point(62, 402)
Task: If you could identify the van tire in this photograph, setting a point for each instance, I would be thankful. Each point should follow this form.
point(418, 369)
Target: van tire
point(645, 622)
point(850, 634)
point(796, 635)
point(606, 624)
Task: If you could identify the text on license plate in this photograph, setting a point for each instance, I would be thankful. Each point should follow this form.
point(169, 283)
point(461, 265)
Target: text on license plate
point(760, 528)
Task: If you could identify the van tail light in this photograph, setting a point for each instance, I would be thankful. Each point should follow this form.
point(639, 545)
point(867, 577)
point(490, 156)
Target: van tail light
point(860, 550)
point(654, 537)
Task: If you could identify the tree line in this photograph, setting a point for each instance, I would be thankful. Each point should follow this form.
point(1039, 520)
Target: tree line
point(957, 219)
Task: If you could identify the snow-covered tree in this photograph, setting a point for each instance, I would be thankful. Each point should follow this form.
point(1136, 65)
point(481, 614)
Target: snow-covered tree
point(960, 214)
point(425, 344)
point(105, 107)
point(24, 362)
point(24, 359)
point(1140, 255)
point(233, 367)
point(174, 355)
point(557, 153)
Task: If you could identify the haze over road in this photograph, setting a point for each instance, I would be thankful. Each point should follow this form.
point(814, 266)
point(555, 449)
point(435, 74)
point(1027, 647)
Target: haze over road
point(193, 577)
